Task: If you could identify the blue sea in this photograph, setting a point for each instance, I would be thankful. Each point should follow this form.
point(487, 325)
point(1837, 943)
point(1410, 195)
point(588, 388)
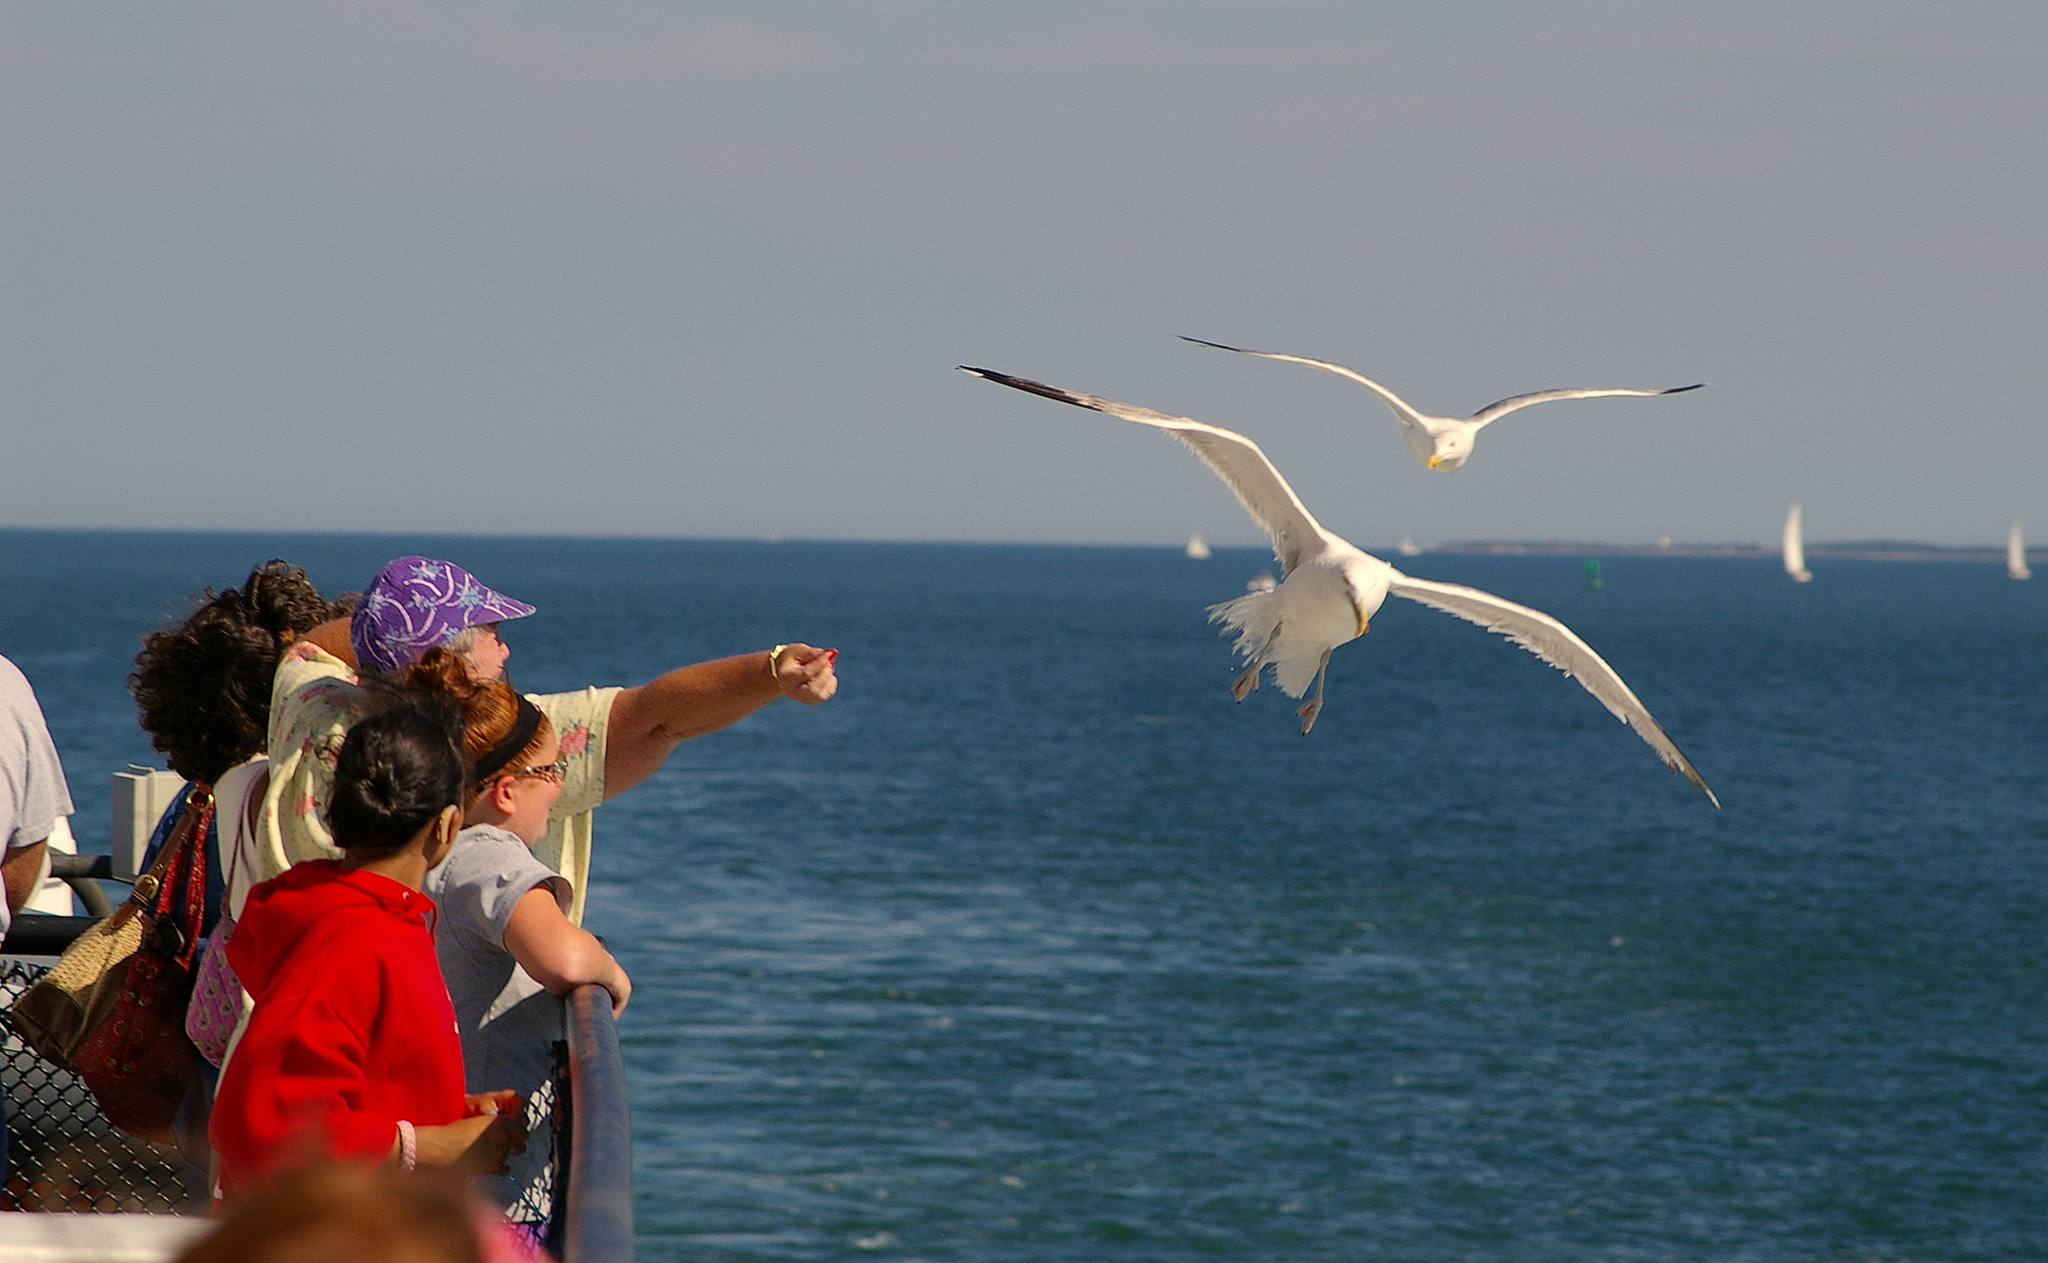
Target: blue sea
point(1032, 945)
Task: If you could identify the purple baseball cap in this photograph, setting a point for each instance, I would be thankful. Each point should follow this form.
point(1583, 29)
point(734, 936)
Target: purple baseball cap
point(417, 603)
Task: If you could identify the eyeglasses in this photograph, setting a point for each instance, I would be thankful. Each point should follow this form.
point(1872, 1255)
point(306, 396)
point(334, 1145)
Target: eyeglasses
point(551, 772)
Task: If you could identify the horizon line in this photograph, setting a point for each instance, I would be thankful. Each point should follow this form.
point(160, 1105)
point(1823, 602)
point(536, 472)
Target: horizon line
point(1551, 546)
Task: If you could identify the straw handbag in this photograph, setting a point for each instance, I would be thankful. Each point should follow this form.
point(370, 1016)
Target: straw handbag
point(113, 1007)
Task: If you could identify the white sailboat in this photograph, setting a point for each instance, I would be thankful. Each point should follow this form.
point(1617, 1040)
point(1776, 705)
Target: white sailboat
point(1795, 548)
point(1198, 548)
point(2016, 552)
point(1407, 547)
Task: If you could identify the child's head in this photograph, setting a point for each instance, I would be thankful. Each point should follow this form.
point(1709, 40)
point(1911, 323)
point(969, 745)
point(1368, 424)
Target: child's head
point(340, 1213)
point(511, 747)
point(398, 770)
point(516, 779)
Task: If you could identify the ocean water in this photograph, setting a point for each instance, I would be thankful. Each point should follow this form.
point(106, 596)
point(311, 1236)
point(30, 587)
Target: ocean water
point(1033, 946)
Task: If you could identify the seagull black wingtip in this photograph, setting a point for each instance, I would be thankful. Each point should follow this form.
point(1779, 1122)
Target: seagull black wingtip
point(1004, 378)
point(992, 375)
point(1030, 387)
point(1218, 345)
point(1679, 390)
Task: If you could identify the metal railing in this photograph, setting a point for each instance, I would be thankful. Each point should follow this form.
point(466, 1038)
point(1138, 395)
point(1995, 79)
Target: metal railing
point(63, 1155)
point(40, 934)
point(593, 1220)
point(81, 873)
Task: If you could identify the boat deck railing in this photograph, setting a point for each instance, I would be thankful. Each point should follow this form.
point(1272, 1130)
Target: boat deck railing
point(62, 1155)
point(594, 1174)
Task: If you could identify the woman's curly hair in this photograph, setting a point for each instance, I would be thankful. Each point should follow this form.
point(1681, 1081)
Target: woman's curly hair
point(203, 687)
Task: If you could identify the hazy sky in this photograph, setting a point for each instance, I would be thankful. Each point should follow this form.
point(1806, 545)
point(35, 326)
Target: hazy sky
point(705, 269)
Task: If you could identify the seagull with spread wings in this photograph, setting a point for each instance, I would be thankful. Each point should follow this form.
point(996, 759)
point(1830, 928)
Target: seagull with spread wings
point(1330, 590)
point(1444, 443)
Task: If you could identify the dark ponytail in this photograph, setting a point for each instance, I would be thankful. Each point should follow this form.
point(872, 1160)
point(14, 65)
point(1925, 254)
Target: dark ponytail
point(397, 770)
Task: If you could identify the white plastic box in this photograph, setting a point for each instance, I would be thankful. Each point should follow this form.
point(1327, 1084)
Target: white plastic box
point(140, 796)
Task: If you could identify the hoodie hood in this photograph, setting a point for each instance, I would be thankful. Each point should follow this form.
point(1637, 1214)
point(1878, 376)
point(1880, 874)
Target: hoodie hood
point(280, 911)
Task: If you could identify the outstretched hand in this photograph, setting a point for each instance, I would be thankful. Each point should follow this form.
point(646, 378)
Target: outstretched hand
point(648, 722)
point(804, 673)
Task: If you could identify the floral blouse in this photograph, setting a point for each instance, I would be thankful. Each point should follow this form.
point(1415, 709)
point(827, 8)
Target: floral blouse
point(313, 700)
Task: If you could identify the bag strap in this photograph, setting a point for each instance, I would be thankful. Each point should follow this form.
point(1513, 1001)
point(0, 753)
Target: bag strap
point(194, 878)
point(252, 807)
point(191, 862)
point(198, 809)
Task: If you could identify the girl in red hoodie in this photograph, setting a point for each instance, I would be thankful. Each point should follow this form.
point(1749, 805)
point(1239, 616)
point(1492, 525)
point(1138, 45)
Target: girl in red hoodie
point(352, 1051)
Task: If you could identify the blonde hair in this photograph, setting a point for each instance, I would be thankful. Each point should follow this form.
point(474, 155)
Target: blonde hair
point(335, 1213)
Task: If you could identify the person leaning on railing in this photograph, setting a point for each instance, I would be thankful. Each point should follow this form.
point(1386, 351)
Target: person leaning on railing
point(506, 946)
point(612, 738)
point(350, 1052)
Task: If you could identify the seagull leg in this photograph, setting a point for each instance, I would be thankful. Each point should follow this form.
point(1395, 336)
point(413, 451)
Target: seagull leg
point(1314, 705)
point(1248, 683)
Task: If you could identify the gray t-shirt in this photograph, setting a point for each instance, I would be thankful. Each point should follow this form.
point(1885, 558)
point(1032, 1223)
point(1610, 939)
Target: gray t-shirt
point(32, 791)
point(508, 1023)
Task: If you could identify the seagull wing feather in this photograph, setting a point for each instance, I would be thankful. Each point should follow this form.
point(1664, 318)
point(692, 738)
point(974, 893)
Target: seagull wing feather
point(1561, 647)
point(1402, 412)
point(1495, 411)
point(1234, 458)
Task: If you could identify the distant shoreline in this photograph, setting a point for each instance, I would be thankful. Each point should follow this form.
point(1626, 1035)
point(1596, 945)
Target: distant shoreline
point(1865, 550)
point(413, 540)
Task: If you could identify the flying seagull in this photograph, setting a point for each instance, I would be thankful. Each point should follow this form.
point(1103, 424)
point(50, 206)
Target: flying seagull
point(1444, 442)
point(1330, 590)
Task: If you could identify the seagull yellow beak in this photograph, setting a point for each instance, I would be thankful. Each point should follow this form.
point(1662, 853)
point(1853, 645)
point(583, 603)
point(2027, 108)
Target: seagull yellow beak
point(1435, 459)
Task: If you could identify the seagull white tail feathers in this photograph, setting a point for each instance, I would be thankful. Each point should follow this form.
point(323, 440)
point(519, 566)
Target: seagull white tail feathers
point(1561, 647)
point(1255, 618)
point(1251, 616)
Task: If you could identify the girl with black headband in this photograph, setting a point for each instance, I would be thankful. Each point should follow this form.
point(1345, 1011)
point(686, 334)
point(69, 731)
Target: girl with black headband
point(505, 942)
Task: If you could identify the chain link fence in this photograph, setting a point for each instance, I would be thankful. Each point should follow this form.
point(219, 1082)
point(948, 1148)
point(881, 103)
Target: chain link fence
point(61, 1155)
